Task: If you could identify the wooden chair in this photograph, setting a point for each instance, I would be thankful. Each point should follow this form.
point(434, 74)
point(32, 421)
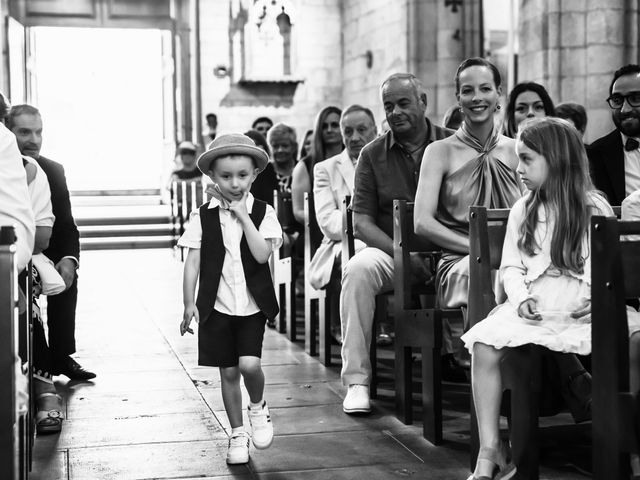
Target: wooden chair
point(522, 367)
point(16, 432)
point(282, 268)
point(186, 196)
point(317, 306)
point(417, 326)
point(615, 277)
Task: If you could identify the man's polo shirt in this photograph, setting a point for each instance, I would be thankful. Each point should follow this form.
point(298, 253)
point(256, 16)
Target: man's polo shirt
point(387, 172)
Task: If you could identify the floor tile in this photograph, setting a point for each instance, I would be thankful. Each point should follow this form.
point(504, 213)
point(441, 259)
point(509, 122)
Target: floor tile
point(280, 395)
point(183, 427)
point(321, 419)
point(331, 450)
point(49, 462)
point(155, 460)
point(128, 404)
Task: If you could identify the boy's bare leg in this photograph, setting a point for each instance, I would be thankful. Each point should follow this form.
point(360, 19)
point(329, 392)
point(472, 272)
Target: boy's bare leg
point(231, 395)
point(251, 370)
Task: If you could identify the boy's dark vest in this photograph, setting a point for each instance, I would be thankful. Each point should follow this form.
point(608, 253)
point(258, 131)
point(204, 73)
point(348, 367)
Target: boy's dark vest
point(212, 252)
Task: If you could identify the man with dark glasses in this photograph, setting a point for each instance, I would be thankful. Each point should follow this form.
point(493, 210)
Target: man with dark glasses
point(615, 158)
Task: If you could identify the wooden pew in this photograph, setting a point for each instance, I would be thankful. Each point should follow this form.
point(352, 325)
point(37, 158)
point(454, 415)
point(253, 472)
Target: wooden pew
point(615, 277)
point(522, 367)
point(15, 430)
point(282, 268)
point(417, 326)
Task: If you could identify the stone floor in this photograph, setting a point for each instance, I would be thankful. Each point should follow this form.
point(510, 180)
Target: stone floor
point(153, 413)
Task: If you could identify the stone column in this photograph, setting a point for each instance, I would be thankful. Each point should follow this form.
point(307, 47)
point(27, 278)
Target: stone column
point(572, 47)
point(439, 38)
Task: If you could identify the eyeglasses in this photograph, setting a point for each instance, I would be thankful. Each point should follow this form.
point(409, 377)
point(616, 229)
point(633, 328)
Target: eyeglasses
point(617, 101)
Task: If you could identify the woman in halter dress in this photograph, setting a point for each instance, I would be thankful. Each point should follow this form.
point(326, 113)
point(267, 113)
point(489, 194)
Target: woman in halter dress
point(476, 166)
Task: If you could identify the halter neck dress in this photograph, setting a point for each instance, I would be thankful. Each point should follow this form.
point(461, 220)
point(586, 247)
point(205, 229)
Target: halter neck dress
point(484, 180)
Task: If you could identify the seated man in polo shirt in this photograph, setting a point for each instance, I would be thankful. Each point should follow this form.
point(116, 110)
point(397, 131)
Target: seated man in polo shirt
point(388, 169)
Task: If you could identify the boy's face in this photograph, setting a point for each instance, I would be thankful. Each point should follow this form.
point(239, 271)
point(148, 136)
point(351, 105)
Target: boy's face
point(233, 175)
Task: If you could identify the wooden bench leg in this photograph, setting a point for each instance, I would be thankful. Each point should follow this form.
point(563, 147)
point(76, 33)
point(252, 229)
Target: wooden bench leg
point(313, 313)
point(432, 395)
point(290, 317)
point(324, 328)
point(403, 384)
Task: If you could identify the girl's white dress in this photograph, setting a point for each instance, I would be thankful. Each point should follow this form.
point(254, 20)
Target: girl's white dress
point(557, 293)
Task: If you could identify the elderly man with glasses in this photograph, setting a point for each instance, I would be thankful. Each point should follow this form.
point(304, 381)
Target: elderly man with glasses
point(615, 158)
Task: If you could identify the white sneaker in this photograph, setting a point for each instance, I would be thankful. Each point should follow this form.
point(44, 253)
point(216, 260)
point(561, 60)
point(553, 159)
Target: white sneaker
point(357, 399)
point(261, 426)
point(238, 451)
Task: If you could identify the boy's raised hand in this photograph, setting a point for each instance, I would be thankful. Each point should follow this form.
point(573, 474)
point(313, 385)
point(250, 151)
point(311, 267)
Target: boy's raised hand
point(190, 312)
point(529, 309)
point(239, 207)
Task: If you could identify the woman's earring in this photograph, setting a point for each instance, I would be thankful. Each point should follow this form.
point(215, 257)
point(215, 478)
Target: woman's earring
point(497, 107)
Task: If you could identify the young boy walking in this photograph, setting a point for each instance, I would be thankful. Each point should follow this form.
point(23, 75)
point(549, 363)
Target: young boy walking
point(230, 240)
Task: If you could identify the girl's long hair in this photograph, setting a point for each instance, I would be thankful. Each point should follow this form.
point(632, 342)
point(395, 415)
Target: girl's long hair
point(565, 194)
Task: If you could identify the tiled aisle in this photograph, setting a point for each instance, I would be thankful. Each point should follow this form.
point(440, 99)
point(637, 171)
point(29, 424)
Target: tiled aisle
point(153, 413)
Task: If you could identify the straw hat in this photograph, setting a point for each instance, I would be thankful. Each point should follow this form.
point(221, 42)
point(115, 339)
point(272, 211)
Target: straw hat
point(232, 144)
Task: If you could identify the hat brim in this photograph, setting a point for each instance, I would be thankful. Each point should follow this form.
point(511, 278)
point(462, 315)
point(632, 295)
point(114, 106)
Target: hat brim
point(257, 154)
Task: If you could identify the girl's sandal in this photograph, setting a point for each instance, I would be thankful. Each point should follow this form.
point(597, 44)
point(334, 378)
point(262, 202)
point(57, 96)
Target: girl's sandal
point(504, 471)
point(49, 421)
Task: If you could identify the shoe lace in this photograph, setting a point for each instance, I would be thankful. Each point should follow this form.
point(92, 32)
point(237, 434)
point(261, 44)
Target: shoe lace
point(239, 440)
point(259, 418)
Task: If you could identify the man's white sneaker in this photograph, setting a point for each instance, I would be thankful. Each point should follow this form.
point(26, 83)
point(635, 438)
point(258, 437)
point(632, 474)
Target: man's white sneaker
point(357, 399)
point(261, 426)
point(238, 451)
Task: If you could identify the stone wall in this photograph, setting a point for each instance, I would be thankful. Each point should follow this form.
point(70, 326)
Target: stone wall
point(573, 47)
point(372, 26)
point(422, 37)
point(316, 59)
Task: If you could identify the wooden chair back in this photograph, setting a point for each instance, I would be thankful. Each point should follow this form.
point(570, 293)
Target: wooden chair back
point(315, 311)
point(186, 196)
point(487, 230)
point(406, 242)
point(282, 270)
point(615, 278)
point(348, 238)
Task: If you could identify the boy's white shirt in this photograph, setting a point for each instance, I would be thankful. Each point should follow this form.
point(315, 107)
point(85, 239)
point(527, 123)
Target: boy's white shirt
point(233, 295)
point(517, 269)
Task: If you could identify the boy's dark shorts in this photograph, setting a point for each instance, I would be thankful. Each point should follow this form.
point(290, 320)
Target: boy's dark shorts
point(222, 339)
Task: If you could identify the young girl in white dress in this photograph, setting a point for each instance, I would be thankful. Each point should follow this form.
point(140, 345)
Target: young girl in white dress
point(546, 271)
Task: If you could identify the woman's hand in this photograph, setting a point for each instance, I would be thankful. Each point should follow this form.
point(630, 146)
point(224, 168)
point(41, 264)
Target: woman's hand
point(529, 309)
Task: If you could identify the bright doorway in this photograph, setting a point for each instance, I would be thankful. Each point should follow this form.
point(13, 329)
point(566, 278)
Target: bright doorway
point(100, 92)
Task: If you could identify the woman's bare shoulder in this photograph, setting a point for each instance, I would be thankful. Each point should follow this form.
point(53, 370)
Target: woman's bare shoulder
point(507, 148)
point(440, 149)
